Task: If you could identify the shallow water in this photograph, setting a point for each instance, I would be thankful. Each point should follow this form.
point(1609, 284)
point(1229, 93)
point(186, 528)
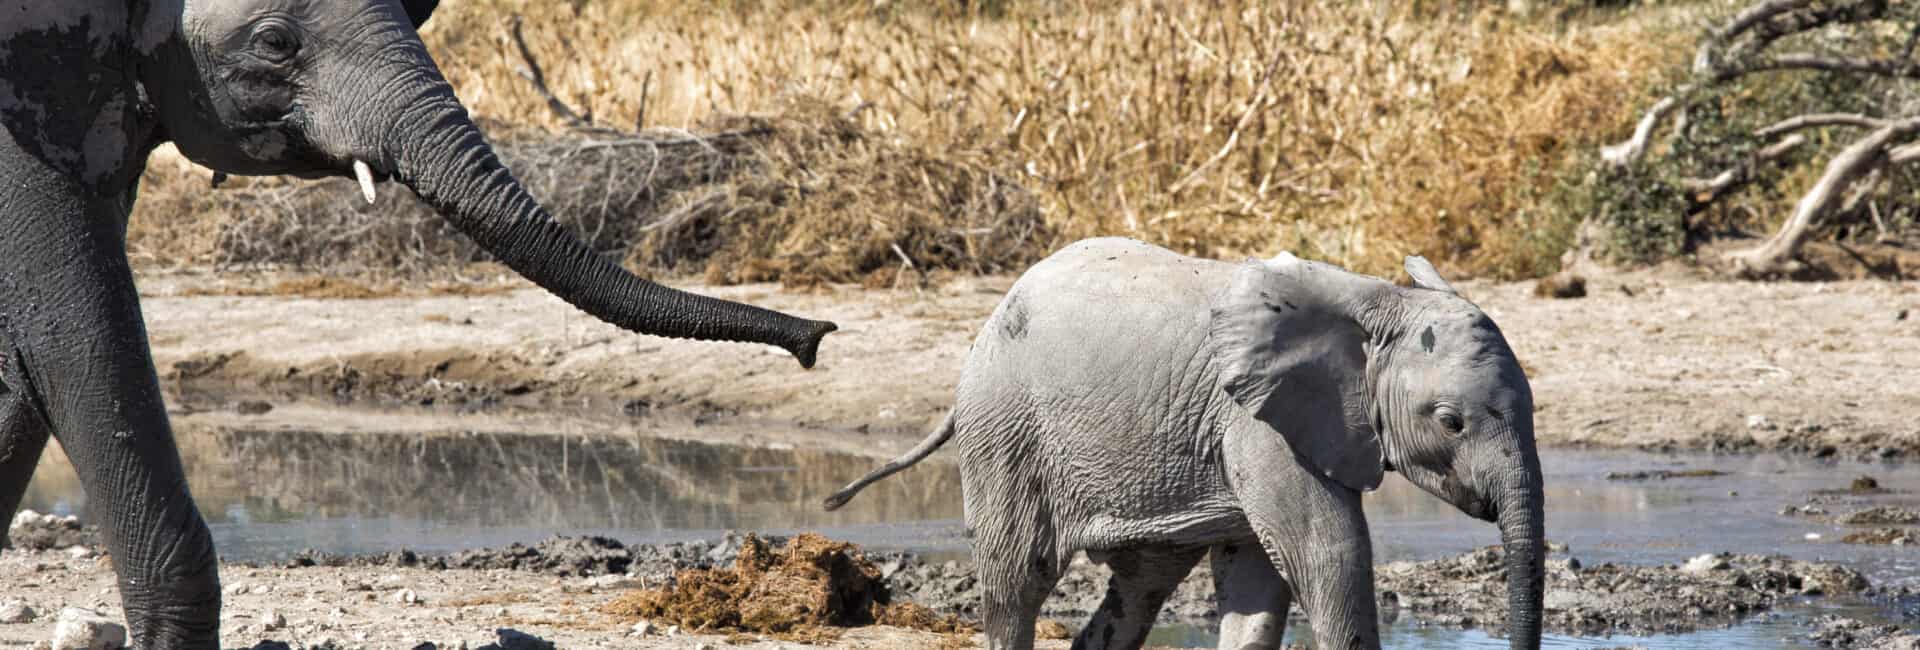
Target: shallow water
point(269, 493)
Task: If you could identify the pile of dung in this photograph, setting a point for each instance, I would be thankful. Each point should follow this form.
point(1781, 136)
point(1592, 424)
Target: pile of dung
point(800, 591)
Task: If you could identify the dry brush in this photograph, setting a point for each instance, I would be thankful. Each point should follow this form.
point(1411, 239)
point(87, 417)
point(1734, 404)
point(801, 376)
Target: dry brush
point(924, 138)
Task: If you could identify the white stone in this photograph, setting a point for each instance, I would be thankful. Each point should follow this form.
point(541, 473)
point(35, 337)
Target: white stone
point(1758, 422)
point(14, 611)
point(24, 518)
point(673, 630)
point(272, 620)
point(405, 597)
point(81, 629)
point(641, 628)
point(79, 552)
point(1706, 563)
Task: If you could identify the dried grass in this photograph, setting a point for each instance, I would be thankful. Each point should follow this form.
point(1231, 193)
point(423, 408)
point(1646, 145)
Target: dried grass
point(1350, 133)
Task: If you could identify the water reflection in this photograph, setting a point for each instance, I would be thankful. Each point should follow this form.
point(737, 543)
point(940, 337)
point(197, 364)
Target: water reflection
point(268, 493)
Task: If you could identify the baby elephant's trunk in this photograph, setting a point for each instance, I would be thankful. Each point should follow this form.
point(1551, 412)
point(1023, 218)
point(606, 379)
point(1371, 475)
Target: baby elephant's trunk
point(926, 448)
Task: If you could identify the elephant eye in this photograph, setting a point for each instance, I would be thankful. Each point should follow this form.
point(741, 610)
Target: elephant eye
point(275, 42)
point(1450, 419)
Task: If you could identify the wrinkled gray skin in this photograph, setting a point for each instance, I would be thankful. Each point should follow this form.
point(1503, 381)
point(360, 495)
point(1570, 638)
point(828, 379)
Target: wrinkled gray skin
point(306, 87)
point(1149, 408)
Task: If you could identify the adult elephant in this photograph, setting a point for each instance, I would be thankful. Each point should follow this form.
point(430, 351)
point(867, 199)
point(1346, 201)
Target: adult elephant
point(1147, 407)
point(313, 88)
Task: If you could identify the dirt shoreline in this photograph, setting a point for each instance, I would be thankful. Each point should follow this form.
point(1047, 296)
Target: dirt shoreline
point(558, 590)
point(1652, 359)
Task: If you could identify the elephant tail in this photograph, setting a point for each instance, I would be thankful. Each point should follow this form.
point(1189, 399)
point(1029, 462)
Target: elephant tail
point(926, 448)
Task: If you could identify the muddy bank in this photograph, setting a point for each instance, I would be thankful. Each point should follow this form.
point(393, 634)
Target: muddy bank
point(561, 588)
point(1656, 360)
point(1708, 591)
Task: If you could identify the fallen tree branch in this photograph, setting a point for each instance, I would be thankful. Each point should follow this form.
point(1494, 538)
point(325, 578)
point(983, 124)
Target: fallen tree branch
point(1856, 162)
point(1807, 61)
point(530, 70)
point(1743, 39)
point(1814, 120)
point(1627, 153)
point(1707, 191)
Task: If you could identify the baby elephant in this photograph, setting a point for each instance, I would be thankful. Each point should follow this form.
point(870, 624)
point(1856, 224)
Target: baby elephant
point(1148, 407)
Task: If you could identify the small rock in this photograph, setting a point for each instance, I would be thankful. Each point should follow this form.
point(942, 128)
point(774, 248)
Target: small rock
point(253, 407)
point(79, 552)
point(1560, 285)
point(1865, 484)
point(1706, 563)
point(641, 628)
point(1759, 422)
point(673, 630)
point(405, 597)
point(1900, 315)
point(83, 629)
point(261, 589)
point(272, 620)
point(14, 611)
point(507, 638)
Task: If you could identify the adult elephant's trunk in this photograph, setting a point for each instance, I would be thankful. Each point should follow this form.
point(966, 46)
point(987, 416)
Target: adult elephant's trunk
point(1523, 534)
point(435, 149)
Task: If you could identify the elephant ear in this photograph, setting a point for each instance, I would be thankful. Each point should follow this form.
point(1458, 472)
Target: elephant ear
point(419, 10)
point(1296, 364)
point(1425, 276)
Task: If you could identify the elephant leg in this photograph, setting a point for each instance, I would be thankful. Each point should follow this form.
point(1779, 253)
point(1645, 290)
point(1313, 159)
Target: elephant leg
point(1253, 598)
point(23, 436)
point(1314, 532)
point(1013, 586)
point(1015, 553)
point(83, 344)
point(1142, 580)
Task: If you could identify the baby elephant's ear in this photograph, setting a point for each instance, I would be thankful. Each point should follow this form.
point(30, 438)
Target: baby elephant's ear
point(1425, 276)
point(419, 10)
point(1295, 364)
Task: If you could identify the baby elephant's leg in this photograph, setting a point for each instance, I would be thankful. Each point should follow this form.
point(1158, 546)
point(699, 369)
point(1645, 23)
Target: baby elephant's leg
point(1142, 580)
point(23, 435)
point(1253, 598)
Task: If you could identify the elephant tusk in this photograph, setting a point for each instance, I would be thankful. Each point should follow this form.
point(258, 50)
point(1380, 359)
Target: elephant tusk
point(365, 174)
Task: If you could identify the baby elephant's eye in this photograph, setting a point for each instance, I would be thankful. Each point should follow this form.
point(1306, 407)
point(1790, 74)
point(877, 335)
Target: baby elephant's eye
point(1450, 419)
point(275, 42)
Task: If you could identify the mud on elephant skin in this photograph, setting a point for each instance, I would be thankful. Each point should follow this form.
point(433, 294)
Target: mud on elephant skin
point(88, 88)
point(1153, 409)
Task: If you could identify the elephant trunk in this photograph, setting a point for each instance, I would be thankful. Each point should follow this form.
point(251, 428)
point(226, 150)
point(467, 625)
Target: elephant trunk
point(435, 149)
point(1523, 536)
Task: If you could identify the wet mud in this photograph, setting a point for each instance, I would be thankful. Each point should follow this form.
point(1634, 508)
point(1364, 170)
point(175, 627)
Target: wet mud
point(1707, 591)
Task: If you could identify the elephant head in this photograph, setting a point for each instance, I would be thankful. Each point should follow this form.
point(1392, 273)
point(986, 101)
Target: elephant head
point(1361, 377)
point(319, 88)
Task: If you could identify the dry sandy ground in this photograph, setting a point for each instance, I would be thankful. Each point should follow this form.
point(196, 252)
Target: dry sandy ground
point(1647, 359)
point(361, 607)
